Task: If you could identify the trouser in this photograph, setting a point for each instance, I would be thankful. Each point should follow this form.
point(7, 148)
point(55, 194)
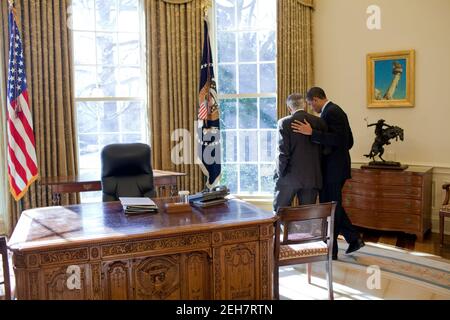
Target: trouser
point(284, 194)
point(342, 224)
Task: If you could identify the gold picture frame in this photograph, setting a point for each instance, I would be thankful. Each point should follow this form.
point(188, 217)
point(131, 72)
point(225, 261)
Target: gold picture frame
point(391, 79)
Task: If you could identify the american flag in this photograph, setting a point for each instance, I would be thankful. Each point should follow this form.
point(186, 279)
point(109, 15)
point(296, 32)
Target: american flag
point(22, 162)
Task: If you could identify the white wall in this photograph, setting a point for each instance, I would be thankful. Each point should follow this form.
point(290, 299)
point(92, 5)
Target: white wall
point(342, 41)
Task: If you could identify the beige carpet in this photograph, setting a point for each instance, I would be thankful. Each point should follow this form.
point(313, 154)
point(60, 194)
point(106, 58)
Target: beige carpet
point(404, 275)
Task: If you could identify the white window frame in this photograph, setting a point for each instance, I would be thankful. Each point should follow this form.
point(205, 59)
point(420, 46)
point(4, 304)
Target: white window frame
point(145, 129)
point(212, 30)
point(142, 99)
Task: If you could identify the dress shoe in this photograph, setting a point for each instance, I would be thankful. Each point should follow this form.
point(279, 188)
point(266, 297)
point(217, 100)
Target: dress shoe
point(334, 257)
point(355, 245)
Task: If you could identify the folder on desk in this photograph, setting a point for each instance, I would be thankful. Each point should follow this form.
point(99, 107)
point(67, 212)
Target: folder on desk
point(134, 205)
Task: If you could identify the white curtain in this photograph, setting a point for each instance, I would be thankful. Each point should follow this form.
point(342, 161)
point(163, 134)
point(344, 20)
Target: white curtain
point(4, 191)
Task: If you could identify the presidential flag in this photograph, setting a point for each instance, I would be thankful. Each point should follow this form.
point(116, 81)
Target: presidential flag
point(208, 118)
point(22, 162)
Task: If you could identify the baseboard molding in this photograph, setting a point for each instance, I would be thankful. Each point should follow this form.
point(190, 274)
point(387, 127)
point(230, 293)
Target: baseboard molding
point(435, 225)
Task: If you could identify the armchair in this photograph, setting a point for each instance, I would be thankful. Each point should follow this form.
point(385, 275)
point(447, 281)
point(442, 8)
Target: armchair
point(444, 211)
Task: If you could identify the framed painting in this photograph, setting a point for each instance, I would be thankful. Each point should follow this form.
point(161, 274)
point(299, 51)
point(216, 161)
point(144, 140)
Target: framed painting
point(390, 79)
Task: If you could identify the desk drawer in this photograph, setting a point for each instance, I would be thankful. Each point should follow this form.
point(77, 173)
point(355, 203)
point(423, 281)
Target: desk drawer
point(407, 206)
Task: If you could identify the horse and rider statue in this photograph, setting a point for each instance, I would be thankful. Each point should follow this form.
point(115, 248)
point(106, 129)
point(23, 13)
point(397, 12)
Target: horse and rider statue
point(384, 132)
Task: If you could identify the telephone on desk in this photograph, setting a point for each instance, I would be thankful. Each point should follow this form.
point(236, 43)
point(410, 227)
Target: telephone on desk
point(209, 198)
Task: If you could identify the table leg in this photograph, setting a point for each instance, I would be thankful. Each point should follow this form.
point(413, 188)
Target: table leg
point(56, 199)
point(173, 190)
point(161, 191)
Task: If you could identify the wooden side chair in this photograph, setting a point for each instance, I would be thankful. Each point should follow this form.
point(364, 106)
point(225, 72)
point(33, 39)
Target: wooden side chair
point(6, 281)
point(444, 211)
point(304, 234)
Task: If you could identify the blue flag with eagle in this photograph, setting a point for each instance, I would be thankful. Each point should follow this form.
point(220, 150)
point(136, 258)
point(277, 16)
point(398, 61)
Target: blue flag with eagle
point(208, 118)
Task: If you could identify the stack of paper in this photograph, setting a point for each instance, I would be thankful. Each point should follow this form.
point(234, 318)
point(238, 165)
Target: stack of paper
point(134, 205)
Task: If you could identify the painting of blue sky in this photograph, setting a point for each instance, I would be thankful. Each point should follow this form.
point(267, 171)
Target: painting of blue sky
point(384, 77)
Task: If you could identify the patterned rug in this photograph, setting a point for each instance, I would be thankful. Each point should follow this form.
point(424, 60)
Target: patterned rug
point(415, 265)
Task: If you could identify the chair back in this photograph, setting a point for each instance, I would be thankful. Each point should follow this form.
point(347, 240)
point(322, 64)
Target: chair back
point(126, 171)
point(305, 223)
point(6, 282)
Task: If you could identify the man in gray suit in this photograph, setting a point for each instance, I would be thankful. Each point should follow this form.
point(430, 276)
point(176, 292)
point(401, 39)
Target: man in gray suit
point(298, 170)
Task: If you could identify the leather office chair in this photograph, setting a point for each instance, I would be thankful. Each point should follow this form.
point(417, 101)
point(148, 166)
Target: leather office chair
point(126, 171)
point(444, 211)
point(6, 281)
point(304, 234)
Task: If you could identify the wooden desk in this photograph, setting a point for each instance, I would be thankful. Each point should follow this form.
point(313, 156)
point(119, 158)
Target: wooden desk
point(165, 184)
point(221, 252)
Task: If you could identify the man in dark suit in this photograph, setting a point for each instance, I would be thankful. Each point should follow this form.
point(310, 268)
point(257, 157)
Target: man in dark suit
point(336, 165)
point(298, 169)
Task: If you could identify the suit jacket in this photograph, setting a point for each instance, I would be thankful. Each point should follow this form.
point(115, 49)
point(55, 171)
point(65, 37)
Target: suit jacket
point(336, 166)
point(298, 158)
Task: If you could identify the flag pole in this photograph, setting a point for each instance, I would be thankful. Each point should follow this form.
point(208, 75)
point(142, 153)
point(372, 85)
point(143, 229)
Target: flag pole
point(206, 4)
point(20, 206)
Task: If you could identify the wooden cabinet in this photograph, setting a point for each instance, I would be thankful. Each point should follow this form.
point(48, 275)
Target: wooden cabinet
point(390, 200)
point(221, 252)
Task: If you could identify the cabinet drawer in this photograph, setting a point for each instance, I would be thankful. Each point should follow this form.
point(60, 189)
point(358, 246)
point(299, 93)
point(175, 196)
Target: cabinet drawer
point(384, 220)
point(387, 178)
point(366, 177)
point(382, 191)
point(396, 179)
point(407, 206)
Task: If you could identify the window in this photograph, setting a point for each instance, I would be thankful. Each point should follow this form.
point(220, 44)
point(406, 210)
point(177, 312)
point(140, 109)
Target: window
point(246, 60)
point(109, 78)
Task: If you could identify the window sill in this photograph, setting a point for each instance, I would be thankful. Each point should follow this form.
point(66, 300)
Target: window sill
point(264, 202)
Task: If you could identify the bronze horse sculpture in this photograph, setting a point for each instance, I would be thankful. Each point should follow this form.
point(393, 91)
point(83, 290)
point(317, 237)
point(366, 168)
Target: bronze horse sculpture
point(384, 133)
